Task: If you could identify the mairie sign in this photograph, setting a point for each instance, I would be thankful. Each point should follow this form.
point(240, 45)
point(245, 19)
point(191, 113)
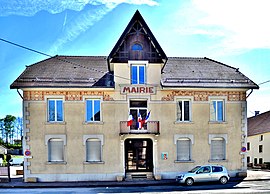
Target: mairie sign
point(137, 89)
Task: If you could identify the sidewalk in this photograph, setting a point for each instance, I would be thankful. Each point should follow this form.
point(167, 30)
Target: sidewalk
point(18, 182)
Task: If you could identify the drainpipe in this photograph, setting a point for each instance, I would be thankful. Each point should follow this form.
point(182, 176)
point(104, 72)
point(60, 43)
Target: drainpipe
point(20, 94)
point(249, 93)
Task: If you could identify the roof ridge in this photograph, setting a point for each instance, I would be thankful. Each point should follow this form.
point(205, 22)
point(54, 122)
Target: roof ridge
point(97, 56)
point(260, 115)
point(186, 57)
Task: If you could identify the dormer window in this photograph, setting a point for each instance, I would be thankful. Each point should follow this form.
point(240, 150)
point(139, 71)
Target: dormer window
point(138, 74)
point(137, 47)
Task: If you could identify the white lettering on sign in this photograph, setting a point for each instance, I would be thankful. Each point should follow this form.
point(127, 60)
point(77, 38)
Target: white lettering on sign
point(138, 89)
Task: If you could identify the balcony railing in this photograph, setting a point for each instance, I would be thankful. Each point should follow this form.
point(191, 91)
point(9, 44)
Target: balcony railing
point(151, 127)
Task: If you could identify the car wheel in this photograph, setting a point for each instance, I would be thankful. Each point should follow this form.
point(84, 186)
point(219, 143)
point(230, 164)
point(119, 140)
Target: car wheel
point(189, 181)
point(223, 180)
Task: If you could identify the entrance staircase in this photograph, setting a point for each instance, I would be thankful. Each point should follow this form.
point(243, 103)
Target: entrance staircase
point(138, 176)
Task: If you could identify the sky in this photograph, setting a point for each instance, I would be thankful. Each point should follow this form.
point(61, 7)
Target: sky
point(234, 32)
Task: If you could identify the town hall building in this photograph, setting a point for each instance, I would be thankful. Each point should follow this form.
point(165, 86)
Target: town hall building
point(135, 113)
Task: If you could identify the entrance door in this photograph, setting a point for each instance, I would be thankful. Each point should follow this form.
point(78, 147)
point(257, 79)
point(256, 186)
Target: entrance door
point(139, 155)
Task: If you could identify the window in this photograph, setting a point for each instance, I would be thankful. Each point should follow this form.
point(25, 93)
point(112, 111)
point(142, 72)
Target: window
point(255, 161)
point(137, 47)
point(92, 110)
point(183, 149)
point(138, 74)
point(260, 148)
point(138, 108)
point(205, 169)
point(93, 150)
point(248, 159)
point(183, 110)
point(217, 169)
point(218, 149)
point(261, 138)
point(248, 146)
point(260, 161)
point(55, 110)
point(217, 110)
point(55, 150)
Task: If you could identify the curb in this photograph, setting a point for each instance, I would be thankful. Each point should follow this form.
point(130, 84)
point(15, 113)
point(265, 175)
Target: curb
point(20, 184)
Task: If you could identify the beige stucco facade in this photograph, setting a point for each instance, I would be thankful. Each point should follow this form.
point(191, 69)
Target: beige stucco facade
point(74, 130)
point(257, 155)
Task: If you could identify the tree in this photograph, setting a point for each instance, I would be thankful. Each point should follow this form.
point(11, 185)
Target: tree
point(7, 127)
point(19, 128)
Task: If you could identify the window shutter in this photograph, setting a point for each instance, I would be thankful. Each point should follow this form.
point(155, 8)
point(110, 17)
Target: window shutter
point(93, 149)
point(218, 149)
point(183, 149)
point(55, 150)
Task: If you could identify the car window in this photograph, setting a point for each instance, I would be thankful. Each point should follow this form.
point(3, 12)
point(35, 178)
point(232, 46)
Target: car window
point(204, 169)
point(217, 169)
point(194, 169)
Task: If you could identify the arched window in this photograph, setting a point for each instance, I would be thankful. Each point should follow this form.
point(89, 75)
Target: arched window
point(93, 150)
point(55, 150)
point(183, 149)
point(218, 148)
point(137, 47)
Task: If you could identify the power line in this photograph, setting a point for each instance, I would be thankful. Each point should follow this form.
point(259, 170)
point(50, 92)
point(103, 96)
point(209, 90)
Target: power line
point(63, 60)
point(24, 47)
point(264, 82)
point(73, 63)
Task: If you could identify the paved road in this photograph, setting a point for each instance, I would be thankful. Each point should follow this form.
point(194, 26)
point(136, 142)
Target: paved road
point(231, 187)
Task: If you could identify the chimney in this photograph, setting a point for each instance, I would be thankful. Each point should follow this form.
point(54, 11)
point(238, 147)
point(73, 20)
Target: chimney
point(257, 112)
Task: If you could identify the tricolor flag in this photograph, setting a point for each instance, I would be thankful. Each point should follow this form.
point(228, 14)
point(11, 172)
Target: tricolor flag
point(147, 117)
point(130, 119)
point(140, 121)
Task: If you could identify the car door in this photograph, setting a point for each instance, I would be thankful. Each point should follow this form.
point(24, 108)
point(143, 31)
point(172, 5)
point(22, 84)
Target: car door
point(217, 172)
point(203, 174)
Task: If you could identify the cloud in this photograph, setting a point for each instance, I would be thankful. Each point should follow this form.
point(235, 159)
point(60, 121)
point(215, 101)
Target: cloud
point(88, 18)
point(85, 19)
point(80, 24)
point(31, 7)
point(238, 25)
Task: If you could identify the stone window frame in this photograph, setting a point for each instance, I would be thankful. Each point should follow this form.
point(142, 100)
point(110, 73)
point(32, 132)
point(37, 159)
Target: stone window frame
point(94, 136)
point(184, 136)
point(56, 136)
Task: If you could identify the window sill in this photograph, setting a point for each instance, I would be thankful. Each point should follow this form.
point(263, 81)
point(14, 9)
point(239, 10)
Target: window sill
point(55, 123)
point(217, 122)
point(94, 162)
point(215, 161)
point(184, 161)
point(183, 122)
point(57, 162)
point(93, 123)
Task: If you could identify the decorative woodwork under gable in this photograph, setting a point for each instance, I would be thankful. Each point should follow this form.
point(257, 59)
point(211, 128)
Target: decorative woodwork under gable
point(204, 95)
point(69, 95)
point(78, 95)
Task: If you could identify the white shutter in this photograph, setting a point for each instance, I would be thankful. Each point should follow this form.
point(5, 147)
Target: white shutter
point(93, 150)
point(55, 150)
point(218, 149)
point(183, 149)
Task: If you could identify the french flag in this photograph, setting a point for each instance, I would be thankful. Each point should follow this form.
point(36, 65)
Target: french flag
point(147, 117)
point(140, 121)
point(130, 119)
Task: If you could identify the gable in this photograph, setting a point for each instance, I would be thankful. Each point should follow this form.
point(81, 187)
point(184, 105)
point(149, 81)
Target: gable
point(137, 43)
